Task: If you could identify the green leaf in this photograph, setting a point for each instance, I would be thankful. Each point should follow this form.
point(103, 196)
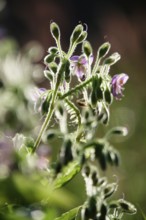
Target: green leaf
point(70, 215)
point(67, 174)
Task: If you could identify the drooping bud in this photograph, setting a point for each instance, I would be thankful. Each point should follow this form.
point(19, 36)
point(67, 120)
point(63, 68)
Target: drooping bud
point(112, 59)
point(127, 207)
point(55, 31)
point(103, 50)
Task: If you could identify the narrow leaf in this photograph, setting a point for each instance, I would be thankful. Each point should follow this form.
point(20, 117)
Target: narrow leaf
point(70, 215)
point(67, 174)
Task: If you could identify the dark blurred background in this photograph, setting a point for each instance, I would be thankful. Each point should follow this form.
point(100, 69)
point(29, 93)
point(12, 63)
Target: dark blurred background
point(123, 24)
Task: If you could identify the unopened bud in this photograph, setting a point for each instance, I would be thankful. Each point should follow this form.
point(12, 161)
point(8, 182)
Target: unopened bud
point(110, 189)
point(67, 72)
point(53, 50)
point(103, 50)
point(48, 75)
point(82, 37)
point(127, 207)
point(49, 58)
point(112, 59)
point(108, 96)
point(55, 31)
point(76, 33)
point(87, 49)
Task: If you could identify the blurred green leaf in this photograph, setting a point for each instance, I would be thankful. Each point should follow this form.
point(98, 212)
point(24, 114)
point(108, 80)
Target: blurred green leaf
point(69, 215)
point(67, 174)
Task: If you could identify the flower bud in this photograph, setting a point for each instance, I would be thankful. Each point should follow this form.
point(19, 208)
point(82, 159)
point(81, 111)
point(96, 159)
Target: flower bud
point(76, 33)
point(86, 170)
point(127, 207)
point(103, 211)
point(109, 190)
point(49, 58)
point(122, 131)
point(50, 134)
point(92, 207)
point(103, 50)
point(87, 49)
point(48, 75)
point(53, 50)
point(112, 59)
point(108, 96)
point(85, 213)
point(67, 72)
point(66, 153)
point(82, 37)
point(46, 104)
point(28, 142)
point(53, 67)
point(55, 31)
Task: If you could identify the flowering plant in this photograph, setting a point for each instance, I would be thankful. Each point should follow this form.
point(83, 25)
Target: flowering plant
point(72, 114)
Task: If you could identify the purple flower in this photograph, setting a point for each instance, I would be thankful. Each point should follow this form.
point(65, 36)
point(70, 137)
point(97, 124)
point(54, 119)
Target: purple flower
point(117, 83)
point(80, 65)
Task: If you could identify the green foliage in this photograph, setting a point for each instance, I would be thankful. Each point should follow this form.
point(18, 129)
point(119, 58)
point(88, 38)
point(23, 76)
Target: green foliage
point(32, 181)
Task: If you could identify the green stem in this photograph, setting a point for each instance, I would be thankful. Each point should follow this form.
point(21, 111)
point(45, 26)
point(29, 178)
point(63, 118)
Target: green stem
point(46, 122)
point(76, 89)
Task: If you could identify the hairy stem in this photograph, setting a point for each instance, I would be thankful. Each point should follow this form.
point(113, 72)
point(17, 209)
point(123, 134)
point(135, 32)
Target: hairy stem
point(76, 89)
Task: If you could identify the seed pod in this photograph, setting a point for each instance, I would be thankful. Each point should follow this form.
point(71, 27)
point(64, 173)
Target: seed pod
point(103, 50)
point(87, 49)
point(127, 207)
point(55, 31)
point(76, 33)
